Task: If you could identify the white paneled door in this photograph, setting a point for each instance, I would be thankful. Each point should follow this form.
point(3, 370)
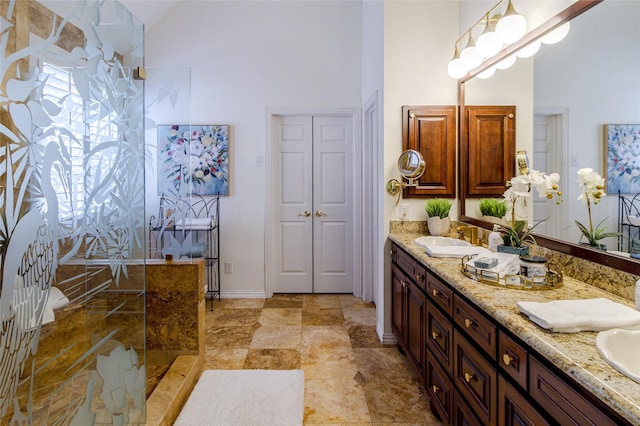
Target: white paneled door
point(313, 204)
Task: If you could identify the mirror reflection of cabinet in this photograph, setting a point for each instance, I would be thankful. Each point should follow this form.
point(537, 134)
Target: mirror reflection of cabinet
point(490, 149)
point(431, 130)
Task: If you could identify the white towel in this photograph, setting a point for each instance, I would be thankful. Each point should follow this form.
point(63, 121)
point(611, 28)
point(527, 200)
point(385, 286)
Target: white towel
point(195, 223)
point(508, 264)
point(572, 316)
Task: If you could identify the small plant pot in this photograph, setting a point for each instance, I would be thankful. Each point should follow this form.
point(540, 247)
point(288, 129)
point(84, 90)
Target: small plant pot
point(439, 227)
point(522, 250)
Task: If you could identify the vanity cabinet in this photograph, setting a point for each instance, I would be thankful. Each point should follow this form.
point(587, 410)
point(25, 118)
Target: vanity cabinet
point(409, 308)
point(431, 130)
point(475, 371)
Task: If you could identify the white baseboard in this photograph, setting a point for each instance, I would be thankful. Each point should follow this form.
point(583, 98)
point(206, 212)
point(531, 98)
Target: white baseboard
point(386, 338)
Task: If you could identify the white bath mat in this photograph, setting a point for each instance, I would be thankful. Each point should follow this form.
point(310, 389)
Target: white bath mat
point(245, 398)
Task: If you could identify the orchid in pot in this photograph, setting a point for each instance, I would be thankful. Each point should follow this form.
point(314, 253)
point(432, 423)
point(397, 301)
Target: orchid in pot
point(516, 233)
point(592, 192)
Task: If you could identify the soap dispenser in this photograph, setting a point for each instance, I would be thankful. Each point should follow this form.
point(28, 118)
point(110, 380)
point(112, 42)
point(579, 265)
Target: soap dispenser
point(494, 240)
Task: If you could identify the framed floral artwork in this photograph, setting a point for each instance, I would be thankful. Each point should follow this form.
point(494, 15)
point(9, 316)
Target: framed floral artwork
point(622, 158)
point(194, 155)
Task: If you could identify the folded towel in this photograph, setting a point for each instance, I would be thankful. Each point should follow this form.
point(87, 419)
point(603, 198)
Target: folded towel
point(196, 223)
point(455, 251)
point(571, 316)
point(508, 264)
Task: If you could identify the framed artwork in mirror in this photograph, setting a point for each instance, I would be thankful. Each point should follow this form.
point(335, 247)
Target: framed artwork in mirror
point(622, 158)
point(194, 155)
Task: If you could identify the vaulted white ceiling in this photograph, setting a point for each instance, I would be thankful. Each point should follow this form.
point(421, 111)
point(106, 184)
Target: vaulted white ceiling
point(150, 12)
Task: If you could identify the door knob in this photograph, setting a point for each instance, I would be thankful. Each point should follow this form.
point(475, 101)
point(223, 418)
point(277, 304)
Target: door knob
point(306, 213)
point(320, 213)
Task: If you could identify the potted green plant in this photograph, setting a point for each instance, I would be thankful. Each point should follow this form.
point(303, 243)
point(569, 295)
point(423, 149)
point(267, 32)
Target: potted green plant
point(493, 210)
point(438, 221)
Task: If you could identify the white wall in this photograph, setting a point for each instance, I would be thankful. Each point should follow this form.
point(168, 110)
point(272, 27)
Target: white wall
point(418, 44)
point(247, 56)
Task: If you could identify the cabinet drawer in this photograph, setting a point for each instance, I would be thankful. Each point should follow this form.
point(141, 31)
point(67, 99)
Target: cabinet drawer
point(514, 409)
point(513, 359)
point(475, 379)
point(440, 293)
point(481, 330)
point(562, 401)
point(420, 275)
point(440, 389)
point(405, 262)
point(439, 337)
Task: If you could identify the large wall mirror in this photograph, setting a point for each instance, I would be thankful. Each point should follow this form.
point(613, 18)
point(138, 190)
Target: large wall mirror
point(564, 95)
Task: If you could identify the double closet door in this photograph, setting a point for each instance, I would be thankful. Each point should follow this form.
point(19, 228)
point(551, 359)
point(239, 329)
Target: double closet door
point(313, 205)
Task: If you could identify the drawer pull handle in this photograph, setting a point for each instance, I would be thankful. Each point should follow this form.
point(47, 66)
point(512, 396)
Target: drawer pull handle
point(434, 292)
point(435, 335)
point(419, 277)
point(468, 377)
point(468, 323)
point(435, 389)
point(391, 252)
point(506, 359)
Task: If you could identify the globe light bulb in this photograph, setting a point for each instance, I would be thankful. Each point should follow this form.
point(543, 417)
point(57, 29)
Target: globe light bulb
point(487, 73)
point(506, 62)
point(456, 68)
point(489, 42)
point(529, 50)
point(469, 55)
point(556, 35)
point(512, 26)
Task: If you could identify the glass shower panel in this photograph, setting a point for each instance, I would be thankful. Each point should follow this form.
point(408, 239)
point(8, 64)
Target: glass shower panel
point(72, 235)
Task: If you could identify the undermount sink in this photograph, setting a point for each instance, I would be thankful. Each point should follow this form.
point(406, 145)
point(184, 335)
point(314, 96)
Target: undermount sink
point(448, 247)
point(620, 348)
point(440, 242)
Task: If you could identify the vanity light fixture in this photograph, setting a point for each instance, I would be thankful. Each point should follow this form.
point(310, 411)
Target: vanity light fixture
point(498, 30)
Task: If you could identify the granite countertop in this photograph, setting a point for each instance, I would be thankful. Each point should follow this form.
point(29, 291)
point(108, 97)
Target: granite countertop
point(573, 353)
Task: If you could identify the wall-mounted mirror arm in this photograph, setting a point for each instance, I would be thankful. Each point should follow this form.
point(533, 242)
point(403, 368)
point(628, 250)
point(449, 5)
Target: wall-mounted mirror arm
point(411, 166)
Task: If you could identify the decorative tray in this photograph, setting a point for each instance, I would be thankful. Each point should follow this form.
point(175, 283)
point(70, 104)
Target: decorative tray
point(552, 279)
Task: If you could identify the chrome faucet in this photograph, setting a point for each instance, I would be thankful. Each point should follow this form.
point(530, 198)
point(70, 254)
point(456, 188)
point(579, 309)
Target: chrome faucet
point(473, 233)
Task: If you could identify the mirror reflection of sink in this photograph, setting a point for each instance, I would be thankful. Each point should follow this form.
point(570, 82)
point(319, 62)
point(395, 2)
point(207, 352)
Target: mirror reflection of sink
point(448, 247)
point(620, 348)
point(440, 242)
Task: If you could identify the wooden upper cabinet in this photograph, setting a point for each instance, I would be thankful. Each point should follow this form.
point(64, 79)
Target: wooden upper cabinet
point(488, 149)
point(431, 130)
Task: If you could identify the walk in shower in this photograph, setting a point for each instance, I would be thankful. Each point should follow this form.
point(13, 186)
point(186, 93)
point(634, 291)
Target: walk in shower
point(72, 205)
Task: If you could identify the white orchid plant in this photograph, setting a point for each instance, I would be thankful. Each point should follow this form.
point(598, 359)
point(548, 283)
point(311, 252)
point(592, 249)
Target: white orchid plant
point(592, 192)
point(521, 187)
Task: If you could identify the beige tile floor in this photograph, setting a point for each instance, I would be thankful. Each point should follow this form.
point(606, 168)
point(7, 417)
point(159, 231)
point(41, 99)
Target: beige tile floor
point(350, 378)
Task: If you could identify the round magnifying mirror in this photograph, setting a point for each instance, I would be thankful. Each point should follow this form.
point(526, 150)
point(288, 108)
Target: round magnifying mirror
point(411, 165)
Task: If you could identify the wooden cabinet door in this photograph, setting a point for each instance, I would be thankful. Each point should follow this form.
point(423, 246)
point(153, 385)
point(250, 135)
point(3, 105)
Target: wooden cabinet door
point(414, 337)
point(431, 130)
point(398, 304)
point(489, 151)
point(514, 409)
